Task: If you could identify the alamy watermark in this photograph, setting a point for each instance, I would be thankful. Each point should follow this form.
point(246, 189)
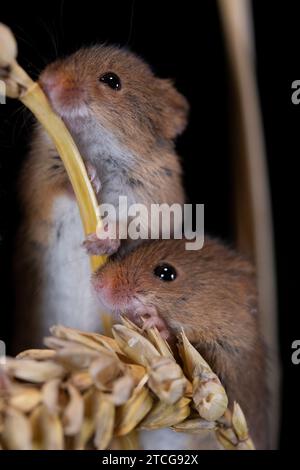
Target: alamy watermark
point(157, 221)
point(296, 354)
point(2, 352)
point(2, 92)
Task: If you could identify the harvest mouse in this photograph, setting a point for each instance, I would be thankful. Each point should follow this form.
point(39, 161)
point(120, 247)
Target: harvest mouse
point(124, 121)
point(210, 293)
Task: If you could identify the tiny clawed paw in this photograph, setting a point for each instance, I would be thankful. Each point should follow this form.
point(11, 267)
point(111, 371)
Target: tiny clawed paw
point(94, 179)
point(96, 246)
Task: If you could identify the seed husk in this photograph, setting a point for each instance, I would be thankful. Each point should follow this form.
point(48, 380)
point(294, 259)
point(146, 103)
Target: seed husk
point(24, 398)
point(33, 371)
point(105, 420)
point(74, 412)
point(166, 379)
point(16, 434)
point(50, 395)
point(163, 415)
point(134, 345)
point(131, 413)
point(194, 425)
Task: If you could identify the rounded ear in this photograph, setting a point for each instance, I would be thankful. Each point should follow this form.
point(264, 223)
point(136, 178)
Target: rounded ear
point(175, 109)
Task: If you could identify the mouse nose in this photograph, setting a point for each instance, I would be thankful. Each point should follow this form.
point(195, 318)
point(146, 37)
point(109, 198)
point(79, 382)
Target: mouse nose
point(61, 88)
point(111, 290)
point(105, 288)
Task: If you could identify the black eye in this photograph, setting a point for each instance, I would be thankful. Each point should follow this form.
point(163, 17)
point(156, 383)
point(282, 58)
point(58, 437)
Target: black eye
point(165, 272)
point(112, 80)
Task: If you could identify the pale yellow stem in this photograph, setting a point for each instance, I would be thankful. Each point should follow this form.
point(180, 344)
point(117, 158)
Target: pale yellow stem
point(35, 99)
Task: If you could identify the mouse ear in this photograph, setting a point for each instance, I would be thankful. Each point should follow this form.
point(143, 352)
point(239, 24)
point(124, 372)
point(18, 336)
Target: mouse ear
point(175, 109)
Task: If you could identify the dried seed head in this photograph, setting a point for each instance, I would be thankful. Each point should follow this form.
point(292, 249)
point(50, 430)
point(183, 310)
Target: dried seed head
point(161, 344)
point(74, 412)
point(24, 398)
point(122, 390)
point(8, 46)
point(193, 362)
point(166, 379)
point(229, 435)
point(33, 371)
point(134, 345)
point(223, 441)
point(82, 380)
point(239, 422)
point(16, 433)
point(105, 420)
point(91, 400)
point(209, 398)
point(163, 415)
point(136, 371)
point(36, 354)
point(194, 425)
point(104, 370)
point(90, 340)
point(47, 431)
point(93, 397)
point(50, 395)
point(131, 413)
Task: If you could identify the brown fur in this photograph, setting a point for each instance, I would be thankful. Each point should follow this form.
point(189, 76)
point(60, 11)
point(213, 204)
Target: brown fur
point(145, 116)
point(213, 298)
point(142, 119)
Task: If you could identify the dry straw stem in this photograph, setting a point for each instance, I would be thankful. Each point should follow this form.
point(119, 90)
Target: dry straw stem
point(20, 85)
point(89, 391)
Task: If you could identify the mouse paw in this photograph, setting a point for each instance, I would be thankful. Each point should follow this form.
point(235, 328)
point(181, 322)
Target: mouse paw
point(97, 246)
point(94, 179)
point(150, 319)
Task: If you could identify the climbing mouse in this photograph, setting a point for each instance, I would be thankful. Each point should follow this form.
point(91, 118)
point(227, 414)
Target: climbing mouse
point(210, 293)
point(124, 121)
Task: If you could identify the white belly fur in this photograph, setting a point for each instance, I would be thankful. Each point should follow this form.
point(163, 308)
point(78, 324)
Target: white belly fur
point(67, 295)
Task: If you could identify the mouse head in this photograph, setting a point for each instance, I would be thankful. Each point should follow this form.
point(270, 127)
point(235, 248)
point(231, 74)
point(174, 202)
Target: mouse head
point(115, 90)
point(210, 292)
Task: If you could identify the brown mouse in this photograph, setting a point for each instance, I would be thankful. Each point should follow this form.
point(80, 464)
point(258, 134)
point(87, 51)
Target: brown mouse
point(211, 293)
point(124, 121)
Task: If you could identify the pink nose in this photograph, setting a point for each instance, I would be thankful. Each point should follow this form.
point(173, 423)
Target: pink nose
point(111, 291)
point(61, 88)
point(104, 289)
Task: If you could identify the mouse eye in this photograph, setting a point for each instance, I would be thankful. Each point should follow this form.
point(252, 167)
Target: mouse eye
point(112, 80)
point(165, 272)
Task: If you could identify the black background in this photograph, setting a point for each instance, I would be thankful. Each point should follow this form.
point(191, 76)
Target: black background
point(185, 43)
